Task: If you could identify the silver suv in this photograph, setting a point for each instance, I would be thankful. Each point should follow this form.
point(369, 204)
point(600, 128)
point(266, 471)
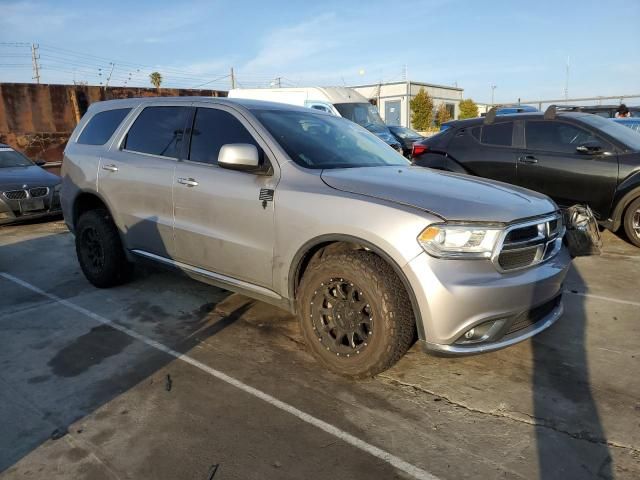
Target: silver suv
point(314, 214)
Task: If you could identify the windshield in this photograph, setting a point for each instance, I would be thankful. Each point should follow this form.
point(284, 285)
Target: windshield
point(621, 133)
point(404, 132)
point(321, 141)
point(10, 158)
point(363, 114)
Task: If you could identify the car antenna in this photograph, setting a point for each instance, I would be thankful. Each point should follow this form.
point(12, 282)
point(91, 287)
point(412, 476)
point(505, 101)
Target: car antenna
point(490, 116)
point(550, 112)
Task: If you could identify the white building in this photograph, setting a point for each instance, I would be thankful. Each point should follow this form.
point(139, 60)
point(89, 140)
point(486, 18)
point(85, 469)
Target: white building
point(393, 99)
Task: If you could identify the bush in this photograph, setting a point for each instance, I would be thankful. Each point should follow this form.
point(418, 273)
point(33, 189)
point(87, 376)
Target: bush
point(468, 109)
point(421, 111)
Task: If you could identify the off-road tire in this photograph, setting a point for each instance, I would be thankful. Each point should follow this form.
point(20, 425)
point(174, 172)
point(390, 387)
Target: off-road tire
point(96, 227)
point(393, 330)
point(632, 234)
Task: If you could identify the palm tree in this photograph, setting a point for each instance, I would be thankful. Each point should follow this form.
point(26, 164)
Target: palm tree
point(156, 79)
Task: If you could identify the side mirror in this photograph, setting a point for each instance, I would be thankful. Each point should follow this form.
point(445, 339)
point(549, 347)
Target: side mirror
point(39, 162)
point(239, 156)
point(590, 148)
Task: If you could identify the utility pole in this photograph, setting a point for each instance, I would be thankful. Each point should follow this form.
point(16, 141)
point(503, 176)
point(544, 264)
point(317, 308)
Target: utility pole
point(109, 77)
point(493, 89)
point(277, 82)
point(35, 56)
point(233, 79)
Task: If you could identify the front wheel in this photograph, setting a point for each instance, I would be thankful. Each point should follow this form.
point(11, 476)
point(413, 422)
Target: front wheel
point(355, 314)
point(99, 249)
point(632, 222)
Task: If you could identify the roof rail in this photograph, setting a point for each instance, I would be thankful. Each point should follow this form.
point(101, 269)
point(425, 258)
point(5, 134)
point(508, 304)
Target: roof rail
point(490, 116)
point(550, 112)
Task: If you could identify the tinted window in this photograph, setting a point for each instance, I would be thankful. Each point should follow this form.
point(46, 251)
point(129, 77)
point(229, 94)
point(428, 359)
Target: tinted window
point(158, 131)
point(497, 134)
point(614, 129)
point(556, 136)
point(10, 158)
point(101, 126)
point(476, 132)
point(212, 129)
point(322, 141)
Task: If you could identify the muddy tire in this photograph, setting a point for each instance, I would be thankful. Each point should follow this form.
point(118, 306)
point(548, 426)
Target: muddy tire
point(99, 250)
point(631, 222)
point(355, 314)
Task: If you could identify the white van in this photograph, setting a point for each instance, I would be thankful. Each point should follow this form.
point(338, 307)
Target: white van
point(339, 101)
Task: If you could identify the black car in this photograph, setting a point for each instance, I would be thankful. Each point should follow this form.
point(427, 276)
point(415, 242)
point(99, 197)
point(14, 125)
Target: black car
point(575, 158)
point(406, 137)
point(26, 190)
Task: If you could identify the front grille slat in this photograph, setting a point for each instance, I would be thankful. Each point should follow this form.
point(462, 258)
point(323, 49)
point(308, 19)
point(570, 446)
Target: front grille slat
point(39, 191)
point(529, 244)
point(16, 194)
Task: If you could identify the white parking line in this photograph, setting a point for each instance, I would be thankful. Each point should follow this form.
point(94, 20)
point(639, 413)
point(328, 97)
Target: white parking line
point(602, 297)
point(397, 462)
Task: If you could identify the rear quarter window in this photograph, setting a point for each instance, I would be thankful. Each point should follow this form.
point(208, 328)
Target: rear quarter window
point(101, 126)
point(500, 134)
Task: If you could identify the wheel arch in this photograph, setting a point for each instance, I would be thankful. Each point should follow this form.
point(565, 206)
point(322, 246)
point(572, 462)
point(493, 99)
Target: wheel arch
point(340, 242)
point(621, 205)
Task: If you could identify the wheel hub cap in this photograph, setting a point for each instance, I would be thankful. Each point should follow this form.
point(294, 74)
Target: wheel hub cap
point(341, 316)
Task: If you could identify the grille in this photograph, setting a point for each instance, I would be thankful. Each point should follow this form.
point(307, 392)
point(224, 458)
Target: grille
point(39, 191)
point(530, 243)
point(517, 258)
point(16, 194)
point(528, 318)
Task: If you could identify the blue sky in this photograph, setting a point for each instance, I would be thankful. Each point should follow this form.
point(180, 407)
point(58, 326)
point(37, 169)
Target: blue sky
point(519, 46)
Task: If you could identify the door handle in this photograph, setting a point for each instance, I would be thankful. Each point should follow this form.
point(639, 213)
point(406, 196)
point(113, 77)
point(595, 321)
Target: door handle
point(111, 167)
point(528, 159)
point(189, 182)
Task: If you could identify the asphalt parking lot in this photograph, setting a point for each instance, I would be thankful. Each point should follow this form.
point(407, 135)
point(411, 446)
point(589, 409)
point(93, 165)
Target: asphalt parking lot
point(167, 378)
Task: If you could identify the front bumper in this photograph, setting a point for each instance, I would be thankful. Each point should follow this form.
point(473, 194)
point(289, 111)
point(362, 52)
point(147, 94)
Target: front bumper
point(455, 296)
point(11, 212)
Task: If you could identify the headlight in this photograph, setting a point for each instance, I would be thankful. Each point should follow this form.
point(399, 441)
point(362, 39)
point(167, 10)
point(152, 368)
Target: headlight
point(459, 241)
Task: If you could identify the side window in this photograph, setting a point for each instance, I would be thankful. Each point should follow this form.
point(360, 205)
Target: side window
point(101, 126)
point(497, 134)
point(322, 108)
point(213, 128)
point(158, 131)
point(555, 136)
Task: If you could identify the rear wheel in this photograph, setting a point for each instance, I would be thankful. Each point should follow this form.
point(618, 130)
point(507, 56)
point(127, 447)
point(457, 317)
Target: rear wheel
point(99, 250)
point(355, 314)
point(632, 222)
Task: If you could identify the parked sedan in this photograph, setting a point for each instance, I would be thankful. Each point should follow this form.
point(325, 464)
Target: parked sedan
point(406, 137)
point(26, 190)
point(575, 158)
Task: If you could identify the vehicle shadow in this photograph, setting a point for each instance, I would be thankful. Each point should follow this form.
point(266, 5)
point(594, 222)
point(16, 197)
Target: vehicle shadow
point(564, 408)
point(58, 365)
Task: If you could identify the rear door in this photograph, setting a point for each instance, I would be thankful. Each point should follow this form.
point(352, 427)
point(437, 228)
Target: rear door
point(224, 218)
point(551, 164)
point(136, 177)
point(488, 151)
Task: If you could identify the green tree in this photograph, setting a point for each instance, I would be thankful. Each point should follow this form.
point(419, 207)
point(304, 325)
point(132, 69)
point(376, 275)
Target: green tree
point(442, 115)
point(156, 79)
point(468, 109)
point(421, 111)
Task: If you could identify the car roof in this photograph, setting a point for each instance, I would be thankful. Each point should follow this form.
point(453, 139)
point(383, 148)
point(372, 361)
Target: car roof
point(512, 116)
point(4, 145)
point(187, 100)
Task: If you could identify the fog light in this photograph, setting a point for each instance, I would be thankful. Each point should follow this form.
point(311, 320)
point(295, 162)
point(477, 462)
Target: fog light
point(481, 333)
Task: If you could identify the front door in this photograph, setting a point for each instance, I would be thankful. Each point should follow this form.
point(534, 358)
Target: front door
point(392, 113)
point(136, 176)
point(224, 218)
point(552, 165)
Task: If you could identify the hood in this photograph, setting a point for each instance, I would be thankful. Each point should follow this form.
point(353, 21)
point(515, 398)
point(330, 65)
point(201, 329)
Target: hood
point(13, 178)
point(451, 196)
